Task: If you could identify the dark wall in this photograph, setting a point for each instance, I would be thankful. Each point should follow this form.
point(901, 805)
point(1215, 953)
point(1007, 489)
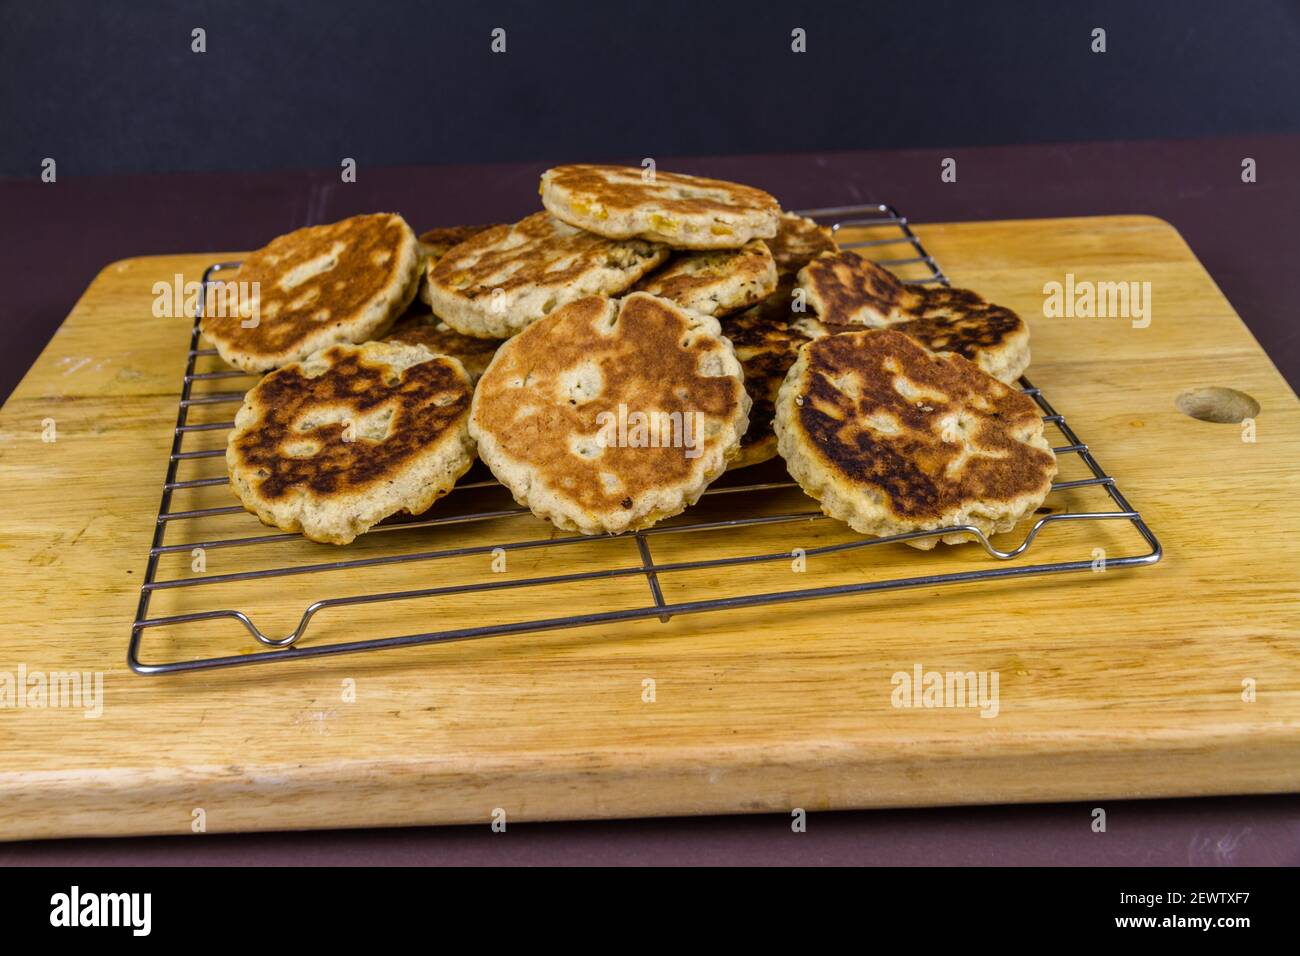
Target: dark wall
point(113, 86)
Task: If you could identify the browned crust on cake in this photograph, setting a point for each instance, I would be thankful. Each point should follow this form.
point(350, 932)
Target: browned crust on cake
point(766, 338)
point(373, 277)
point(441, 339)
point(850, 293)
point(435, 243)
point(628, 194)
point(798, 241)
point(500, 280)
point(715, 281)
point(686, 212)
point(642, 353)
point(428, 399)
point(843, 288)
point(993, 454)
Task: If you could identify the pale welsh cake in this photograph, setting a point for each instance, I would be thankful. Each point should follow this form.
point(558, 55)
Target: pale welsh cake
point(498, 282)
point(847, 291)
point(715, 282)
point(608, 416)
point(343, 282)
point(891, 438)
point(354, 433)
point(685, 212)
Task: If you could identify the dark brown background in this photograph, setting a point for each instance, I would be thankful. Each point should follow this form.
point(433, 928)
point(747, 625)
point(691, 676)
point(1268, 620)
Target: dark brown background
point(1244, 233)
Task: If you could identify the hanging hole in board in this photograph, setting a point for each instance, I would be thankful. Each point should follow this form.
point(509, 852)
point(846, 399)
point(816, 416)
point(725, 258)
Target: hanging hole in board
point(1226, 406)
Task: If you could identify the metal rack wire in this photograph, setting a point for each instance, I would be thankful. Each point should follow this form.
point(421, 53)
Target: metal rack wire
point(291, 646)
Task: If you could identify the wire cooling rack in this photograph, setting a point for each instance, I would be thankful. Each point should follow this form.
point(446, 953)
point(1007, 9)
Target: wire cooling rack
point(739, 496)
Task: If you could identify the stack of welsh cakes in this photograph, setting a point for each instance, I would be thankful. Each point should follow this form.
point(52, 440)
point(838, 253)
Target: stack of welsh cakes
point(612, 355)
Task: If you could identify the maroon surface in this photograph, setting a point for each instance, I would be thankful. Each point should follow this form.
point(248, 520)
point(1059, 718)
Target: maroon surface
point(1232, 831)
point(55, 237)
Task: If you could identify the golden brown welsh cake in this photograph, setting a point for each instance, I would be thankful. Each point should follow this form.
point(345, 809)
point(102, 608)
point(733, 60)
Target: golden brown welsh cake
point(344, 282)
point(798, 241)
point(441, 339)
point(686, 212)
point(436, 243)
point(351, 435)
point(715, 282)
point(608, 416)
point(843, 288)
point(766, 338)
point(499, 281)
point(847, 291)
point(892, 438)
point(995, 339)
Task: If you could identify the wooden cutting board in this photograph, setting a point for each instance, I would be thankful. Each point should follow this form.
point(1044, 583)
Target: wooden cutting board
point(1118, 684)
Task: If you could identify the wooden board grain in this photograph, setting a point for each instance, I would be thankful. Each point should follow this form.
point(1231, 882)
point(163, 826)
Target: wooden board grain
point(1111, 685)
